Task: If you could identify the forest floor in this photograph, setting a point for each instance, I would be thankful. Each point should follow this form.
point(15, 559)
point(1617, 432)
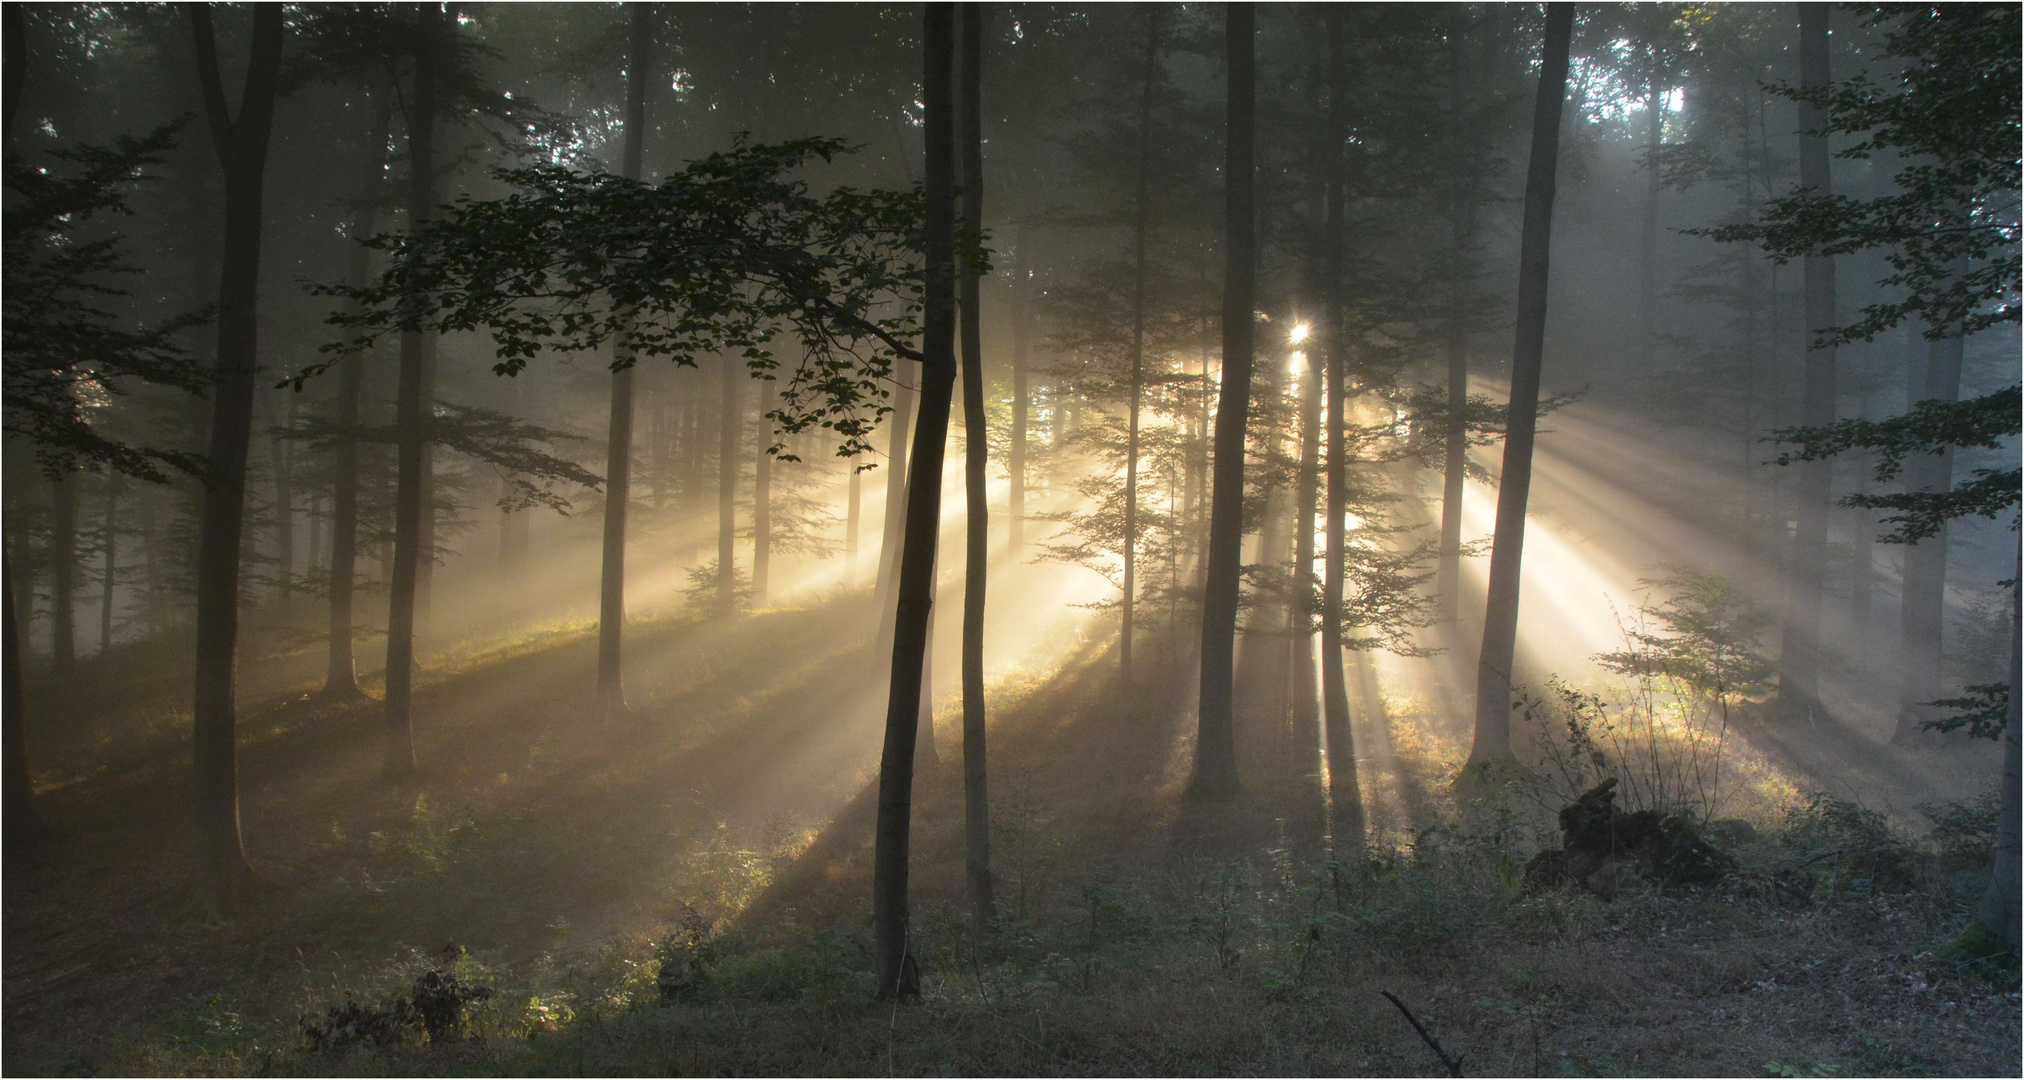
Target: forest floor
point(548, 862)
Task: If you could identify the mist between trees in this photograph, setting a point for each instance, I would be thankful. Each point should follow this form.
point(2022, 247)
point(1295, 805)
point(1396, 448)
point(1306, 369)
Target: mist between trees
point(977, 506)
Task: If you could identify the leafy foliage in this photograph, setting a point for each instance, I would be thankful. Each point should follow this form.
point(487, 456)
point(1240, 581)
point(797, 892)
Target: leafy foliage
point(67, 354)
point(1984, 710)
point(1950, 231)
point(726, 256)
point(1929, 428)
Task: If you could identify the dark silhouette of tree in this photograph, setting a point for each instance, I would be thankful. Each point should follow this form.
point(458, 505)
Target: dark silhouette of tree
point(896, 971)
point(223, 876)
point(1215, 744)
point(976, 458)
point(1500, 618)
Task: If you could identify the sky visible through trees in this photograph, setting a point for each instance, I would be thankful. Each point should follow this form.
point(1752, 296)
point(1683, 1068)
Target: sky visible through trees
point(727, 514)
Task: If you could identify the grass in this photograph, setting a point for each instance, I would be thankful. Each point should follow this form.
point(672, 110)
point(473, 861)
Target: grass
point(557, 863)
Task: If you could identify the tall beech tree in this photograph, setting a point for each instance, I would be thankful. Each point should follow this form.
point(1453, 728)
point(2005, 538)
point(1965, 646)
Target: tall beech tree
point(1215, 739)
point(618, 442)
point(223, 877)
point(1500, 618)
point(1799, 638)
point(896, 972)
point(976, 460)
point(340, 680)
point(413, 543)
point(1345, 801)
point(1142, 198)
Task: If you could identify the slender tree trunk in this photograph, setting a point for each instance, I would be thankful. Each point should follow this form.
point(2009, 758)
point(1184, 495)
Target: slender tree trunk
point(2000, 911)
point(1799, 645)
point(618, 438)
point(1862, 556)
point(890, 534)
point(853, 514)
point(1215, 743)
point(1648, 238)
point(109, 537)
point(1300, 606)
point(1500, 617)
point(22, 823)
point(1015, 509)
point(222, 875)
point(1141, 225)
point(897, 975)
point(976, 457)
point(63, 580)
point(412, 545)
point(1345, 801)
point(340, 679)
point(282, 453)
point(1923, 614)
point(762, 502)
point(728, 424)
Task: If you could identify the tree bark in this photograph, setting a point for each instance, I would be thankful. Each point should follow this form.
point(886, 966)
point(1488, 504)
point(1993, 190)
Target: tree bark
point(923, 518)
point(2000, 910)
point(728, 424)
point(412, 545)
point(109, 576)
point(762, 501)
point(22, 823)
point(63, 580)
point(280, 456)
point(1141, 224)
point(976, 457)
point(1799, 641)
point(222, 874)
point(1015, 464)
point(1923, 614)
point(1648, 235)
point(340, 679)
point(1215, 773)
point(852, 517)
point(1345, 800)
point(618, 438)
point(892, 529)
point(1500, 617)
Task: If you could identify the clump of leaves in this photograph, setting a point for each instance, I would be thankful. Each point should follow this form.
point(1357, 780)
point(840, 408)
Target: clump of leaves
point(686, 956)
point(434, 1005)
point(1964, 833)
point(1838, 849)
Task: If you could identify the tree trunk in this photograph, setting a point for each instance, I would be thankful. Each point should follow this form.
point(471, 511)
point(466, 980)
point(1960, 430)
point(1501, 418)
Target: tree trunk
point(2000, 910)
point(618, 440)
point(1215, 744)
point(897, 975)
point(1648, 237)
point(728, 424)
point(976, 457)
point(63, 581)
point(281, 455)
point(762, 501)
point(1799, 641)
point(22, 823)
point(412, 542)
point(1015, 464)
point(896, 490)
point(1141, 224)
point(852, 517)
point(109, 577)
point(1923, 614)
point(1500, 617)
point(1345, 800)
point(340, 679)
point(1862, 554)
point(222, 875)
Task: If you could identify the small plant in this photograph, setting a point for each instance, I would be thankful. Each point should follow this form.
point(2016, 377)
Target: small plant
point(1837, 849)
point(1530, 1011)
point(435, 1004)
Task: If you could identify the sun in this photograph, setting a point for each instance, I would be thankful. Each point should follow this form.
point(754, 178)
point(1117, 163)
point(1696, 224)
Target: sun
point(1299, 332)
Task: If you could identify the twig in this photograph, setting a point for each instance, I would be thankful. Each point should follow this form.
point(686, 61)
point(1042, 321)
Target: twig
point(1454, 1064)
